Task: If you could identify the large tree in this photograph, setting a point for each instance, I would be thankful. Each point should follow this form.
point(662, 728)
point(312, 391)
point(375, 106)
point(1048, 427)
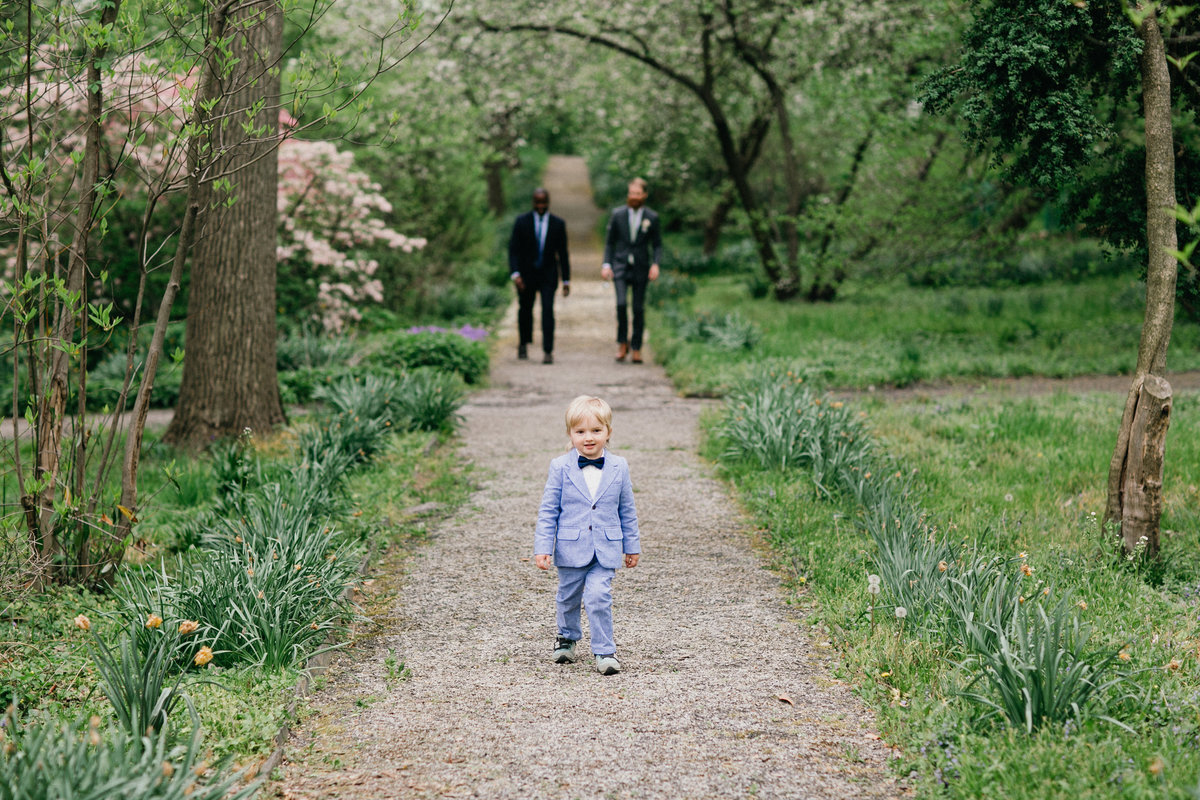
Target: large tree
point(229, 376)
point(1055, 88)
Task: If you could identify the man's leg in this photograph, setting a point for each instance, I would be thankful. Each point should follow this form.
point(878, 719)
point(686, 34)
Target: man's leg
point(548, 318)
point(638, 284)
point(525, 299)
point(622, 287)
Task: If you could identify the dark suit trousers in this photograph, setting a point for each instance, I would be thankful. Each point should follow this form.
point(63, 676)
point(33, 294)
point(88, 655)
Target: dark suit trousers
point(637, 282)
point(525, 301)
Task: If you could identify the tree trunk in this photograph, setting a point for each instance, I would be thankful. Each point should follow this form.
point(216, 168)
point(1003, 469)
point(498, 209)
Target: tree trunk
point(1141, 483)
point(493, 172)
point(229, 377)
point(716, 222)
point(1129, 461)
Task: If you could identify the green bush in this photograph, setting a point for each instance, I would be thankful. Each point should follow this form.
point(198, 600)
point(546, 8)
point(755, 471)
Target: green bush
point(777, 422)
point(726, 331)
point(367, 396)
point(428, 400)
point(344, 436)
point(670, 288)
point(308, 349)
point(449, 352)
point(1037, 666)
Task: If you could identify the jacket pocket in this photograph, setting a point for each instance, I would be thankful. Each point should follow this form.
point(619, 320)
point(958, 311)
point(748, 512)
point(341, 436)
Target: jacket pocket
point(613, 534)
point(569, 534)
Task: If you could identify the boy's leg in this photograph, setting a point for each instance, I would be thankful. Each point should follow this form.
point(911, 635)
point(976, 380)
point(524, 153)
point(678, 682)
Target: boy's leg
point(597, 601)
point(570, 593)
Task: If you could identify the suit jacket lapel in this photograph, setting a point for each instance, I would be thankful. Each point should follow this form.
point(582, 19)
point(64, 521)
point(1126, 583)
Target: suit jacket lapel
point(607, 476)
point(577, 477)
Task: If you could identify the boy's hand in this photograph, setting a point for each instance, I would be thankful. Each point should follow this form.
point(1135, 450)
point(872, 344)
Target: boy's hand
point(543, 560)
point(631, 559)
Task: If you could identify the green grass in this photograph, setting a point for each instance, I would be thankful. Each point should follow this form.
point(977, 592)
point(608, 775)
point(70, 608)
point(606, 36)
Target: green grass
point(1010, 477)
point(896, 335)
point(1018, 479)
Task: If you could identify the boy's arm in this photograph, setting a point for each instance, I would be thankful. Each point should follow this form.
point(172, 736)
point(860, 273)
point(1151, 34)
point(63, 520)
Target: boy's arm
point(548, 514)
point(629, 521)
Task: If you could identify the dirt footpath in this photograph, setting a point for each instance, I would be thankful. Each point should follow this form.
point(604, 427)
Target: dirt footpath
point(707, 642)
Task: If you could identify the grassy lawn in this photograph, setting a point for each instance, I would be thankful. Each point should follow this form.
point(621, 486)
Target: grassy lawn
point(896, 335)
point(1016, 480)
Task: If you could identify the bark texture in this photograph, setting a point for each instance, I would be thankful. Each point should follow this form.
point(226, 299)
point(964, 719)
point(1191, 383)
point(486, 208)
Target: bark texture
point(1141, 486)
point(229, 377)
point(1161, 269)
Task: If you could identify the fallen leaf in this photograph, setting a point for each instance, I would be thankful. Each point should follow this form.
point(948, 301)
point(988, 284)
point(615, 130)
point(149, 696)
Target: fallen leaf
point(873, 736)
point(783, 698)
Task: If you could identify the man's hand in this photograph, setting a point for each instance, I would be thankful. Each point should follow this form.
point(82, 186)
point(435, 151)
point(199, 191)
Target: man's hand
point(606, 272)
point(520, 284)
point(631, 559)
point(543, 560)
point(654, 272)
point(566, 290)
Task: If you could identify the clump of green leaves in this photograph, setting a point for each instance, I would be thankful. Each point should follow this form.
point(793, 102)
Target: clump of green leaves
point(42, 759)
point(729, 331)
point(1037, 665)
point(428, 400)
point(776, 421)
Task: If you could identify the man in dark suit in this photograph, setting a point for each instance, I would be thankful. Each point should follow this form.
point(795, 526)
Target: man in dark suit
point(537, 252)
point(632, 252)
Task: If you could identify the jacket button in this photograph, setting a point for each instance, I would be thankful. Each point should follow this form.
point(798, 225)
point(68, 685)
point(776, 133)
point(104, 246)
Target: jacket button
point(593, 508)
point(589, 527)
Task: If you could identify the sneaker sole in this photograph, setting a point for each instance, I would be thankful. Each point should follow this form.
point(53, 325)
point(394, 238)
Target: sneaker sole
point(564, 659)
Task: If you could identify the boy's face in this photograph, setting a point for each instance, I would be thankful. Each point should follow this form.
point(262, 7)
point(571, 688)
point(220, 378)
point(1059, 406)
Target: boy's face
point(589, 436)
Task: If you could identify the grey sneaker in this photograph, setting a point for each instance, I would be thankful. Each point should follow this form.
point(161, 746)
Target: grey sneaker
point(608, 665)
point(564, 651)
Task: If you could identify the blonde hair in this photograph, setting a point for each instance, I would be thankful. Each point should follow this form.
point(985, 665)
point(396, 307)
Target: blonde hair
point(587, 406)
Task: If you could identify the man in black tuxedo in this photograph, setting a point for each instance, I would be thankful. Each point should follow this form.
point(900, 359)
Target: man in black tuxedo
point(537, 252)
point(632, 252)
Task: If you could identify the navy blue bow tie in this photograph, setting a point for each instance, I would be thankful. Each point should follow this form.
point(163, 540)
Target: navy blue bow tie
point(598, 463)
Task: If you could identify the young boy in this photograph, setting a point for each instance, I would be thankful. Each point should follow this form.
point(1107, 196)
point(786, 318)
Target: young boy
point(588, 524)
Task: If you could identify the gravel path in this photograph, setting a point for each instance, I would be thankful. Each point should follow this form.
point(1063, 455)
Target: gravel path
point(705, 636)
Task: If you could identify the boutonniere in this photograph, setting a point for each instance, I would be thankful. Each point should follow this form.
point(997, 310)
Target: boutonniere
point(645, 225)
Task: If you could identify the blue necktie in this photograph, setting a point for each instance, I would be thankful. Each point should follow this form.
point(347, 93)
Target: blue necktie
point(598, 463)
point(539, 227)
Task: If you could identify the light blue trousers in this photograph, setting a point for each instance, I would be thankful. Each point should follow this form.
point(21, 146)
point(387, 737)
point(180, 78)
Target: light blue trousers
point(593, 586)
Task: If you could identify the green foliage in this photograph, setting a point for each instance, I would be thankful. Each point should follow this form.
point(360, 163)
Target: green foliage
point(371, 396)
point(1040, 83)
point(670, 288)
point(428, 400)
point(1037, 665)
point(44, 759)
point(141, 674)
point(726, 331)
point(343, 438)
point(308, 349)
point(448, 352)
point(776, 422)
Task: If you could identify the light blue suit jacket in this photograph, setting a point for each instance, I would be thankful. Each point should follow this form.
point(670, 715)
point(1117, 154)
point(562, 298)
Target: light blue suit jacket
point(574, 527)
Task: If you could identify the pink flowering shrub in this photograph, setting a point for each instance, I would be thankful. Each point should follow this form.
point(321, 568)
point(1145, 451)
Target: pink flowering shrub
point(328, 224)
point(330, 213)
